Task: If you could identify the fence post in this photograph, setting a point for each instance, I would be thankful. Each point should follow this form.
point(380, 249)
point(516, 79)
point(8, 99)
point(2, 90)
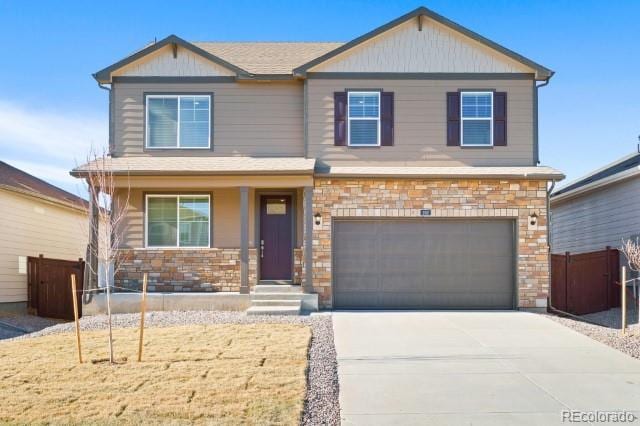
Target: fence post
point(38, 284)
point(609, 280)
point(567, 256)
point(623, 299)
point(74, 296)
point(143, 309)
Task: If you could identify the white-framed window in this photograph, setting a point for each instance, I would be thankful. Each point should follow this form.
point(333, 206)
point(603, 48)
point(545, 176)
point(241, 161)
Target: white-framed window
point(363, 110)
point(178, 121)
point(177, 220)
point(476, 118)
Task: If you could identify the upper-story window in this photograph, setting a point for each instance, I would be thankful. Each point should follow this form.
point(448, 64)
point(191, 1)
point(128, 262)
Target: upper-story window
point(178, 121)
point(476, 118)
point(364, 118)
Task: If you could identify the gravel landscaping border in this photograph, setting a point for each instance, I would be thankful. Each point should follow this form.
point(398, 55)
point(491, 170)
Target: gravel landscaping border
point(321, 405)
point(607, 334)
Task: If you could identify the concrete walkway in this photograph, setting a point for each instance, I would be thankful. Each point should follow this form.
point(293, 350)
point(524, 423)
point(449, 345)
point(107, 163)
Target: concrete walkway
point(480, 368)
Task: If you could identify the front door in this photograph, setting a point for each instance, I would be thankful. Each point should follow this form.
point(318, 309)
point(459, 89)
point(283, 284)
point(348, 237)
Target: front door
point(276, 237)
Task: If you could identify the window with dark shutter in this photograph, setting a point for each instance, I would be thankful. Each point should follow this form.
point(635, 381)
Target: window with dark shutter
point(386, 119)
point(340, 118)
point(453, 118)
point(500, 119)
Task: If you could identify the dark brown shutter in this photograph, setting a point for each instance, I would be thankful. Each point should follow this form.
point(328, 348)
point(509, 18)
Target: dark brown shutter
point(500, 119)
point(386, 119)
point(340, 118)
point(453, 118)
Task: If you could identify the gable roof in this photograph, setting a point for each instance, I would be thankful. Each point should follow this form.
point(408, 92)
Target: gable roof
point(622, 168)
point(251, 60)
point(16, 180)
point(104, 75)
point(541, 72)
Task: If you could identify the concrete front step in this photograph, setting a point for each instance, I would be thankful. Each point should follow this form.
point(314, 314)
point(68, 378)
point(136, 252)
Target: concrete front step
point(277, 288)
point(274, 310)
point(279, 296)
point(276, 302)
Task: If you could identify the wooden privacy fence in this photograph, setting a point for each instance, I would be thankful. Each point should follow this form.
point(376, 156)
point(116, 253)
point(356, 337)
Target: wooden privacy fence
point(49, 286)
point(585, 283)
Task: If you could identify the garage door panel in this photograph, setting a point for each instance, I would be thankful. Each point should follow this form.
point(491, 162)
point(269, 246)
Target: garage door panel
point(431, 263)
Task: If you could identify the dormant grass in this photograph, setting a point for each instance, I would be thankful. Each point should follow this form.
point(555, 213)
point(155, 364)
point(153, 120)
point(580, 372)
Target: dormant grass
point(200, 374)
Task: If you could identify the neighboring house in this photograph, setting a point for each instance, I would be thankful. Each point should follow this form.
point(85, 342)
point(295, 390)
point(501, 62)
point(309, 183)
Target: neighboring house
point(35, 218)
point(597, 210)
point(398, 170)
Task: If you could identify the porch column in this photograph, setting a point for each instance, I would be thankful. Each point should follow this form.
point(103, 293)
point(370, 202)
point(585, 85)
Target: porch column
point(308, 239)
point(244, 240)
point(94, 249)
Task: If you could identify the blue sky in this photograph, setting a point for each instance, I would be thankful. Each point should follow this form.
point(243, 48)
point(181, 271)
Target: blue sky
point(52, 111)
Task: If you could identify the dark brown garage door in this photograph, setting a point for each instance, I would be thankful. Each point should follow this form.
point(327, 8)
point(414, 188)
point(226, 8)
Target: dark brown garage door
point(423, 264)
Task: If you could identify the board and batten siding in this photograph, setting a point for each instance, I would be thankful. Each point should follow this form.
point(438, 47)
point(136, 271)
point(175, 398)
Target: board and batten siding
point(163, 63)
point(420, 125)
point(31, 227)
point(249, 119)
point(596, 219)
point(435, 48)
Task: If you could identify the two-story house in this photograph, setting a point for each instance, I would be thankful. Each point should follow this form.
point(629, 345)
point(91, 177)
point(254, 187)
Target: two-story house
point(398, 170)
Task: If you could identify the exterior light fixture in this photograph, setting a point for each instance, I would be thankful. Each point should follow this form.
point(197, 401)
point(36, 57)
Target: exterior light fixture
point(317, 219)
point(533, 219)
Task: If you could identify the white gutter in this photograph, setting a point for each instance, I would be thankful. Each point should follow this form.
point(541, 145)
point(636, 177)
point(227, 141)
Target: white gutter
point(626, 174)
point(596, 171)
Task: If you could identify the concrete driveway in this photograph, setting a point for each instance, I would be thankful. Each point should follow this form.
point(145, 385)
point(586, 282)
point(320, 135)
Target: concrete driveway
point(475, 368)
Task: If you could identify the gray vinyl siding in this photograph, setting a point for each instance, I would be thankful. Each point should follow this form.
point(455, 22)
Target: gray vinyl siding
point(420, 124)
point(597, 219)
point(249, 119)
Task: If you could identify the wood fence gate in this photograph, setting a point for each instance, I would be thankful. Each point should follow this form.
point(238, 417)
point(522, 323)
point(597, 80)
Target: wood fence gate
point(585, 283)
point(49, 286)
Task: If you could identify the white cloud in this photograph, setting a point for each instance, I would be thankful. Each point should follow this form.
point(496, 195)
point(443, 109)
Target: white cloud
point(47, 144)
point(58, 175)
point(52, 134)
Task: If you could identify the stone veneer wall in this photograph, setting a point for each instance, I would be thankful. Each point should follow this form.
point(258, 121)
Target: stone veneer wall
point(446, 198)
point(184, 270)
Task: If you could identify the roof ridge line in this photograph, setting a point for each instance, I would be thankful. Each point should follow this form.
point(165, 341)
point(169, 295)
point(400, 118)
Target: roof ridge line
point(263, 41)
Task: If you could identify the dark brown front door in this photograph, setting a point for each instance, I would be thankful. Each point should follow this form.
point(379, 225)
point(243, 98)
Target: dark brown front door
point(276, 242)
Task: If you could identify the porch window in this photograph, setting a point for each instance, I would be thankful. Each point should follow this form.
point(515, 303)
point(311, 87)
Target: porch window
point(477, 118)
point(178, 220)
point(364, 118)
point(178, 121)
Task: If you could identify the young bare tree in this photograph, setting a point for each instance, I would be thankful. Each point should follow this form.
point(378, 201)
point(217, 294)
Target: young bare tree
point(631, 249)
point(109, 204)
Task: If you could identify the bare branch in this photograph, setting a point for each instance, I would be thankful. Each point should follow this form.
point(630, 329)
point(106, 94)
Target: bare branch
point(631, 250)
point(112, 204)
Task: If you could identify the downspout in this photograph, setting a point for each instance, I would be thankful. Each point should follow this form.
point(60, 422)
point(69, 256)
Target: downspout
point(90, 277)
point(536, 146)
point(550, 306)
point(110, 90)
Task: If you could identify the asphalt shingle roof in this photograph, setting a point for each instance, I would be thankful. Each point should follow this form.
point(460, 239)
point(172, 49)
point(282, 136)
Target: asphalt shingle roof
point(200, 165)
point(268, 57)
point(15, 179)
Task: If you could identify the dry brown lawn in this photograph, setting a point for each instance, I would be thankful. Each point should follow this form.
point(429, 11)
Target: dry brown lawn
point(213, 374)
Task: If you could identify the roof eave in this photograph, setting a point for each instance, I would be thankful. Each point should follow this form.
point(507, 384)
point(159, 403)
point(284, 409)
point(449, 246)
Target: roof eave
point(598, 184)
point(160, 173)
point(104, 75)
point(51, 200)
point(535, 175)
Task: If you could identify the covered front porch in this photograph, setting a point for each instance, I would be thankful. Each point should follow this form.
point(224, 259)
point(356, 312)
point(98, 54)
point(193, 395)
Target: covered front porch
point(215, 232)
